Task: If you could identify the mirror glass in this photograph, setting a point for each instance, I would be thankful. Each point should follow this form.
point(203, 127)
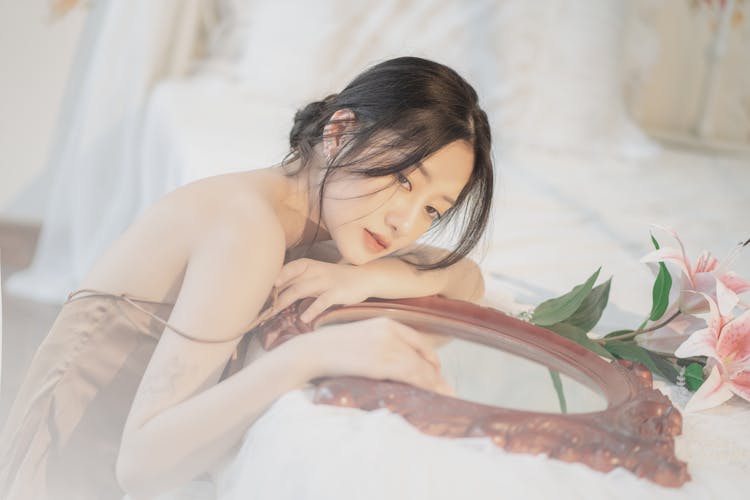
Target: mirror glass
point(496, 361)
point(491, 376)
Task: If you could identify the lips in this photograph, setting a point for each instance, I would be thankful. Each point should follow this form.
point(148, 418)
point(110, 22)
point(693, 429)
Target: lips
point(375, 242)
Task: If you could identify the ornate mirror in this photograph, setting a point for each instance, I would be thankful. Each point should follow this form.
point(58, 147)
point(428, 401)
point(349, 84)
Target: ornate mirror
point(526, 388)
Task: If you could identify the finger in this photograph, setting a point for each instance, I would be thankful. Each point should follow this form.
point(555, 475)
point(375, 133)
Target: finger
point(421, 342)
point(292, 295)
point(423, 374)
point(295, 292)
point(290, 271)
point(323, 302)
point(437, 340)
point(442, 386)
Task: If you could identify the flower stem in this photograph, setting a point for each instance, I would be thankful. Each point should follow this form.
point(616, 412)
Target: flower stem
point(639, 331)
point(701, 360)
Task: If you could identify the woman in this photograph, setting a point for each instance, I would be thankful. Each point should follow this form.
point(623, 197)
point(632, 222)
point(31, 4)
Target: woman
point(127, 393)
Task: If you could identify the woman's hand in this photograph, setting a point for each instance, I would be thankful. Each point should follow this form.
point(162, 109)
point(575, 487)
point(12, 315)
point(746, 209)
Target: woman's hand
point(332, 284)
point(377, 348)
point(385, 278)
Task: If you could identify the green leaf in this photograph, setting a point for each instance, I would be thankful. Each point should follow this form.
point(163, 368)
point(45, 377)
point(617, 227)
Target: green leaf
point(653, 240)
point(617, 332)
point(579, 337)
point(665, 367)
point(693, 376)
point(660, 293)
point(590, 311)
point(557, 383)
point(633, 352)
point(561, 308)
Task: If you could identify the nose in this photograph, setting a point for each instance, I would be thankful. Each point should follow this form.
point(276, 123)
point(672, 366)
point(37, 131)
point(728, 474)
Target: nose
point(403, 218)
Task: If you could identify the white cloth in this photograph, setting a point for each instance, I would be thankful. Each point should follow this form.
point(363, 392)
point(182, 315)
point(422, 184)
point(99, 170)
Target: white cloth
point(547, 75)
point(301, 451)
point(560, 217)
point(129, 46)
point(331, 453)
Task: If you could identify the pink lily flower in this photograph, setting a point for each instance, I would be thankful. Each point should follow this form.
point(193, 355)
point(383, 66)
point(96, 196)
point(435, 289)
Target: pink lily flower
point(726, 343)
point(706, 277)
point(669, 337)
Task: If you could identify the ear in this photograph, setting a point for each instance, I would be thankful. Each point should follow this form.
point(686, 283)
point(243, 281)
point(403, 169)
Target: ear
point(337, 125)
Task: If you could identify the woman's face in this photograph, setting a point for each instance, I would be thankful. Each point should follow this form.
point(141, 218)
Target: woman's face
point(372, 217)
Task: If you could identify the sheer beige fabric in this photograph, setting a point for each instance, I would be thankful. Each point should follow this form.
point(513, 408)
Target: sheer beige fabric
point(63, 432)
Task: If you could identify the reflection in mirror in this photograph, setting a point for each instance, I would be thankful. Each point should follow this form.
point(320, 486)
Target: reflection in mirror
point(491, 376)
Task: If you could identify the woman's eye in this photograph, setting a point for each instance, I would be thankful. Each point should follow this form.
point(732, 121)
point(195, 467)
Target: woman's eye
point(403, 180)
point(432, 212)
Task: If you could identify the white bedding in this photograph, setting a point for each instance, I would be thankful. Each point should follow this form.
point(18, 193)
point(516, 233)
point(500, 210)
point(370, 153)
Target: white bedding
point(299, 450)
point(559, 218)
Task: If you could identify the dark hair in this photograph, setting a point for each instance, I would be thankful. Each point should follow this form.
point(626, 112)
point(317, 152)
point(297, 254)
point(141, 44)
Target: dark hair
point(407, 109)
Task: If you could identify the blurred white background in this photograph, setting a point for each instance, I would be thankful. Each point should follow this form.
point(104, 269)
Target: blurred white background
point(608, 116)
point(663, 62)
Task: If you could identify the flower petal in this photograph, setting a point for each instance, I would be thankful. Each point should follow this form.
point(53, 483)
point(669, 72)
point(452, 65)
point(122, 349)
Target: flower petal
point(715, 320)
point(726, 299)
point(734, 339)
point(705, 263)
point(713, 392)
point(667, 254)
point(674, 235)
point(669, 337)
point(727, 263)
point(692, 302)
point(708, 285)
point(740, 385)
point(700, 343)
point(663, 340)
point(703, 342)
point(735, 282)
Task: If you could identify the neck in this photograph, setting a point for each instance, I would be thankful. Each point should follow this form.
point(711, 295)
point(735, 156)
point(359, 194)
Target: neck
point(296, 200)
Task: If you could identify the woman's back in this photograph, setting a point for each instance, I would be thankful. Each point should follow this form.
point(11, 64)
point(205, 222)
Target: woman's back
point(85, 374)
point(150, 258)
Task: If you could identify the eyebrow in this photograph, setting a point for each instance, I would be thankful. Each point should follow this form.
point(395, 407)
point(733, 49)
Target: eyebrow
point(427, 176)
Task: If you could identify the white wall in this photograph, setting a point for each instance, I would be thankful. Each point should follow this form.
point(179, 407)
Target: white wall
point(36, 54)
point(670, 96)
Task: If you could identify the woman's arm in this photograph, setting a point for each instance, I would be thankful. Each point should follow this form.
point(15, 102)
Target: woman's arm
point(461, 281)
point(394, 278)
point(181, 421)
point(386, 278)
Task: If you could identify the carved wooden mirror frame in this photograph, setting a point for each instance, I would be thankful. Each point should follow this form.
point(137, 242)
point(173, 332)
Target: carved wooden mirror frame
point(635, 431)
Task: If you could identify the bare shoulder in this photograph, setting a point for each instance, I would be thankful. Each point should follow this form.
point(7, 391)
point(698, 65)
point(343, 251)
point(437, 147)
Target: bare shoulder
point(151, 257)
point(230, 268)
point(230, 272)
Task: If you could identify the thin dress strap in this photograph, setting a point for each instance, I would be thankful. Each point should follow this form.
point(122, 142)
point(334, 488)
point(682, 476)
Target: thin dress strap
point(264, 314)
